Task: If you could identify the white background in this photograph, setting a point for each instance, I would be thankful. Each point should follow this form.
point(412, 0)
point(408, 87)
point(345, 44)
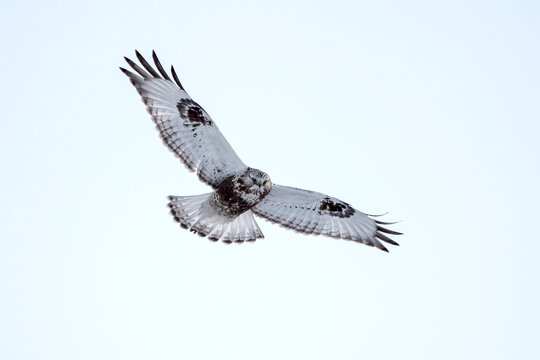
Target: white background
point(429, 111)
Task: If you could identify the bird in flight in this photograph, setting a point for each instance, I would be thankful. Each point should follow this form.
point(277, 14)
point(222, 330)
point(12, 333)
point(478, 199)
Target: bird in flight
point(240, 191)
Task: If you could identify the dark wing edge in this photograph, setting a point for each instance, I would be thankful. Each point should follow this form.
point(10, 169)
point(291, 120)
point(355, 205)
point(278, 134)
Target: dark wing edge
point(150, 69)
point(380, 230)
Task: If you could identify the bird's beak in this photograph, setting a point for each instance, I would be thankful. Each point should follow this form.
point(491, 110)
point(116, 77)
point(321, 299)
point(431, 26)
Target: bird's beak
point(260, 183)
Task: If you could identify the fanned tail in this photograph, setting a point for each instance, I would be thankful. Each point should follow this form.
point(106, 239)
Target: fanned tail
point(197, 215)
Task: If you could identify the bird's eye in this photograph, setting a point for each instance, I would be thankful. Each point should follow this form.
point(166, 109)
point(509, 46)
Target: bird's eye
point(254, 180)
point(265, 182)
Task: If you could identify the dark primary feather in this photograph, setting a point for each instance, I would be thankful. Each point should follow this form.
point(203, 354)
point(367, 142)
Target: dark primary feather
point(159, 67)
point(391, 232)
point(385, 238)
point(175, 77)
point(137, 68)
point(146, 65)
point(385, 223)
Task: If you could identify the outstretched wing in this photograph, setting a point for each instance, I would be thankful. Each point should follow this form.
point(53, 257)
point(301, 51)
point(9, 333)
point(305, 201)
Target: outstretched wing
point(315, 213)
point(183, 124)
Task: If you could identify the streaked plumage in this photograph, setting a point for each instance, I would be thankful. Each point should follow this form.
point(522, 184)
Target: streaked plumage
point(226, 214)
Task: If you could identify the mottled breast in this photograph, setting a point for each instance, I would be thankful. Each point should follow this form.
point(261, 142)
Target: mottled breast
point(234, 196)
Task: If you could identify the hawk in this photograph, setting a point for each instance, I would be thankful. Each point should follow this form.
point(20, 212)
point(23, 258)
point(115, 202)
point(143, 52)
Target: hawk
point(240, 191)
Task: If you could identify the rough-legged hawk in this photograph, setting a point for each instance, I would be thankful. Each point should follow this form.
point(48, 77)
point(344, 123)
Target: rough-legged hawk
point(226, 214)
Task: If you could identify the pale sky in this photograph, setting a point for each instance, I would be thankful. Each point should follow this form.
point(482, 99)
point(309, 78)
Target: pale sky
point(427, 110)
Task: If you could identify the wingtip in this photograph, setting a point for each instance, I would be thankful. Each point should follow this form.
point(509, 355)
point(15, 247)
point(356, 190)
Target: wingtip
point(385, 238)
point(159, 66)
point(139, 56)
point(129, 61)
point(388, 231)
point(175, 77)
point(380, 246)
point(386, 223)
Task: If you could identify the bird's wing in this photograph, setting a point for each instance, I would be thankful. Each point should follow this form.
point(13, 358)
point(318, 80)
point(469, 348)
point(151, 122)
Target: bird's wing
point(183, 124)
point(315, 213)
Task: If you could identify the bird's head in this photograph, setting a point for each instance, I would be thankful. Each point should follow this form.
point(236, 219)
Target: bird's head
point(256, 182)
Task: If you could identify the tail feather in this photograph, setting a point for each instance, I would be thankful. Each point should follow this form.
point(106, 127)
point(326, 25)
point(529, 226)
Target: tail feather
point(197, 215)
